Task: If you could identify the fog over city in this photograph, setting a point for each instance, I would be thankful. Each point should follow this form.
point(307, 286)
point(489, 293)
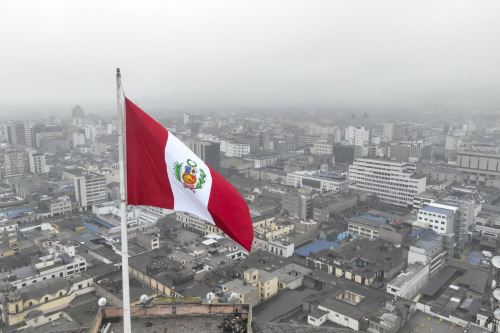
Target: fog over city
point(262, 166)
point(374, 55)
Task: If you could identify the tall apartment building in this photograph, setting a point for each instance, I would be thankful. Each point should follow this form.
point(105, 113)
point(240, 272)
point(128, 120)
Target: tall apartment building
point(209, 152)
point(15, 163)
point(406, 151)
point(18, 134)
point(298, 204)
point(452, 142)
point(37, 162)
point(392, 182)
point(357, 136)
point(399, 131)
point(90, 189)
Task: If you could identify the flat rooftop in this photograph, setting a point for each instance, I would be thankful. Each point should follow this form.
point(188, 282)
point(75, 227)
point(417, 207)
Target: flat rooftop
point(185, 318)
point(421, 322)
point(207, 324)
point(437, 210)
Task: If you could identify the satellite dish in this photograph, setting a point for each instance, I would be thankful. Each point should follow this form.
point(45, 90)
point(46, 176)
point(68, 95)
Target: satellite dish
point(210, 297)
point(493, 284)
point(496, 294)
point(102, 302)
point(233, 297)
point(143, 299)
point(496, 314)
point(495, 261)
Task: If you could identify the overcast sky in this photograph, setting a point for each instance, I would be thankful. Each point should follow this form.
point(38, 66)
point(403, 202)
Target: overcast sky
point(252, 53)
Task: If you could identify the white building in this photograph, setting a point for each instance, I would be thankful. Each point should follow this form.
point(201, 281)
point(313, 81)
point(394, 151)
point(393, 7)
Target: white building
point(191, 222)
point(53, 266)
point(392, 182)
point(408, 284)
point(278, 247)
point(78, 139)
point(37, 162)
point(428, 250)
point(90, 189)
point(357, 136)
point(438, 217)
point(61, 205)
point(14, 163)
point(318, 181)
point(452, 142)
point(322, 148)
point(232, 149)
point(388, 132)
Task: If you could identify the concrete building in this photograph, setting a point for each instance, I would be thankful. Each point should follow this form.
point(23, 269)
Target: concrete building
point(439, 217)
point(392, 182)
point(372, 227)
point(15, 163)
point(405, 151)
point(90, 189)
point(43, 301)
point(266, 282)
point(148, 241)
point(271, 228)
point(345, 153)
point(322, 148)
point(279, 247)
point(365, 262)
point(330, 205)
point(409, 283)
point(61, 205)
point(399, 132)
point(37, 162)
point(234, 149)
point(209, 152)
point(298, 204)
point(429, 248)
point(480, 167)
point(18, 134)
point(318, 181)
point(452, 142)
point(357, 136)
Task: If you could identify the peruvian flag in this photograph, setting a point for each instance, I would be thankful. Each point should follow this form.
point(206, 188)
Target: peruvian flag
point(163, 172)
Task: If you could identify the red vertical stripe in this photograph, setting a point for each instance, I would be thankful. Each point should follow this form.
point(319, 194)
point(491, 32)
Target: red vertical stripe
point(229, 211)
point(147, 180)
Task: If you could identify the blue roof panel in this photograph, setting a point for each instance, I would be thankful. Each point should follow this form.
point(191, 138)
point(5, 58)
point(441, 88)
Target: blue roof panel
point(437, 210)
point(314, 247)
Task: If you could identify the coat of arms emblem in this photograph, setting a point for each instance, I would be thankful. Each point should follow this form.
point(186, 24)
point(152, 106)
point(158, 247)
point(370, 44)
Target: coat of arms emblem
point(190, 175)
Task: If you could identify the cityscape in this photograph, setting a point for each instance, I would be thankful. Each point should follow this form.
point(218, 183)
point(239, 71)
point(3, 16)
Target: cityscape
point(313, 166)
point(375, 225)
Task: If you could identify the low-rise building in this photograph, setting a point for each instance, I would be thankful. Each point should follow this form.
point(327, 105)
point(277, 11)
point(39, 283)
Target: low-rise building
point(372, 226)
point(43, 298)
point(365, 262)
point(409, 283)
point(318, 181)
point(60, 206)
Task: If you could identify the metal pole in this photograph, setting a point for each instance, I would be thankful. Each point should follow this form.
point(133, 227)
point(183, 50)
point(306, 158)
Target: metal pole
point(123, 204)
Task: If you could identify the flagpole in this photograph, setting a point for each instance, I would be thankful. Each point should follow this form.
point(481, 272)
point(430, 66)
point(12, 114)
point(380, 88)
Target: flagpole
point(123, 204)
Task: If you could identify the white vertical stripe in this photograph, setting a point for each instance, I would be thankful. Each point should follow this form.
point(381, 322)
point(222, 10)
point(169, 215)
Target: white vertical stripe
point(186, 199)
